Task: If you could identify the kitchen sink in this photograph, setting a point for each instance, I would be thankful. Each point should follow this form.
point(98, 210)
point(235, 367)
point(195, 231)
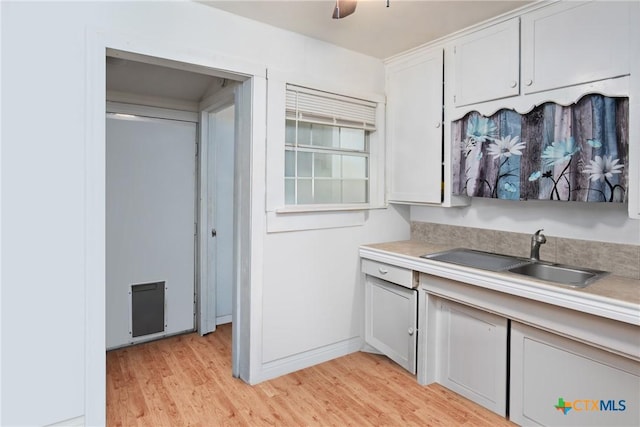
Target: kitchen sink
point(567, 275)
point(477, 259)
point(564, 274)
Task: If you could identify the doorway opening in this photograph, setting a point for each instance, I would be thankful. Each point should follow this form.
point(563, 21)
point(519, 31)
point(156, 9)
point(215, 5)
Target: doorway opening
point(250, 109)
point(171, 137)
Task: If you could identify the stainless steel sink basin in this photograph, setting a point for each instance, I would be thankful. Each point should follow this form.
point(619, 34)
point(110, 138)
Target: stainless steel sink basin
point(477, 259)
point(563, 274)
point(558, 273)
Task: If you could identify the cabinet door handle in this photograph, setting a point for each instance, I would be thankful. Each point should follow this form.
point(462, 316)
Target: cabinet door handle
point(529, 82)
point(437, 125)
point(383, 270)
point(513, 83)
point(411, 331)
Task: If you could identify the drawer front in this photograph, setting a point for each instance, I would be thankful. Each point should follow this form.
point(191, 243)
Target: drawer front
point(390, 273)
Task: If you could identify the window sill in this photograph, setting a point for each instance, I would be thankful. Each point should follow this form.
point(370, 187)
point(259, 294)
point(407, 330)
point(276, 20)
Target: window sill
point(323, 208)
point(310, 217)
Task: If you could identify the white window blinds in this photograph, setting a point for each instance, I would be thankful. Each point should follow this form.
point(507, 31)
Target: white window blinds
point(313, 106)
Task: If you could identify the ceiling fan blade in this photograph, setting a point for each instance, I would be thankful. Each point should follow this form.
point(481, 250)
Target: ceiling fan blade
point(344, 8)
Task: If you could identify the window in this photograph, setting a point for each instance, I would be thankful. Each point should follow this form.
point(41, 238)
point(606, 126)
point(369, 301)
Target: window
point(327, 141)
point(325, 162)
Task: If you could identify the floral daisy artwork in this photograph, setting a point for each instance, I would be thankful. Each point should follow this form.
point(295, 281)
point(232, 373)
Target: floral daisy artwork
point(577, 152)
point(603, 169)
point(560, 151)
point(506, 147)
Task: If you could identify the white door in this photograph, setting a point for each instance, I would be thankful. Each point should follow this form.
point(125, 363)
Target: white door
point(223, 218)
point(150, 220)
point(216, 290)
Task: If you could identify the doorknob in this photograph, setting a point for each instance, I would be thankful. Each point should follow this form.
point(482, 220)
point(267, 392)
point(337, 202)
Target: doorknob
point(213, 232)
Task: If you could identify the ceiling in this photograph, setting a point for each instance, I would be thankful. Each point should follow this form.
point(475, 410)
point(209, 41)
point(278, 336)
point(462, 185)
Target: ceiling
point(145, 79)
point(374, 29)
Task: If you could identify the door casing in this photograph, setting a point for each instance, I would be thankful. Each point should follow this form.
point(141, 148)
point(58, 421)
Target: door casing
point(251, 100)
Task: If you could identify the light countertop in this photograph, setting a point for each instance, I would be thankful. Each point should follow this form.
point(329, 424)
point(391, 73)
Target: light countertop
point(612, 296)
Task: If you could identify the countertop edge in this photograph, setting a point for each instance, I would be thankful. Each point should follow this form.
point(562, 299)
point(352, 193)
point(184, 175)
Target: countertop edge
point(564, 297)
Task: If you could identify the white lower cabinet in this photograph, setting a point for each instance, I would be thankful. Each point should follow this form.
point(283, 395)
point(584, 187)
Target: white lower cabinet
point(559, 381)
point(471, 353)
point(391, 314)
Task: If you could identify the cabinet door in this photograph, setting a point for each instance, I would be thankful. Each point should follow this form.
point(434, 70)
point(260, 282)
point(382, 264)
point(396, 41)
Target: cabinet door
point(487, 64)
point(571, 43)
point(558, 381)
point(414, 128)
point(634, 149)
point(391, 314)
point(472, 354)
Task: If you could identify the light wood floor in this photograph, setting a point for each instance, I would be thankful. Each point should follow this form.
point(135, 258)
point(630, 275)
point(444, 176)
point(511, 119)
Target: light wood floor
point(186, 381)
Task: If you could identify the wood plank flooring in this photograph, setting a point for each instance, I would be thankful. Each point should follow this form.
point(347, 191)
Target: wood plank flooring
point(186, 381)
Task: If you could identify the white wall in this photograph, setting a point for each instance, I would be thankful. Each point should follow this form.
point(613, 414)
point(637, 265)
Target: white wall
point(312, 291)
point(43, 192)
point(42, 217)
point(586, 221)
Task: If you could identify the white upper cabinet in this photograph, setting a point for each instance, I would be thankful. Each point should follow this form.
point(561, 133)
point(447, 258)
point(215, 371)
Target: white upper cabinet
point(487, 64)
point(414, 128)
point(570, 43)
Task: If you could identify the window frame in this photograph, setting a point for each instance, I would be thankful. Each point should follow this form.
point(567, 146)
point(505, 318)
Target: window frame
point(296, 147)
point(283, 217)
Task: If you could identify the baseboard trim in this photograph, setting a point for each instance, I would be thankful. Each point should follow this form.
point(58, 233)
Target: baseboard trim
point(368, 349)
point(309, 358)
point(71, 422)
point(221, 320)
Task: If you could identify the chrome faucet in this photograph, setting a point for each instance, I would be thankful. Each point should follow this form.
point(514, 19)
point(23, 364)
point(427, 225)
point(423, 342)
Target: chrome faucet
point(537, 240)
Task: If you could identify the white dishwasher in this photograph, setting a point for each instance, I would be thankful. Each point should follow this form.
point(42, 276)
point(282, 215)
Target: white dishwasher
point(391, 311)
